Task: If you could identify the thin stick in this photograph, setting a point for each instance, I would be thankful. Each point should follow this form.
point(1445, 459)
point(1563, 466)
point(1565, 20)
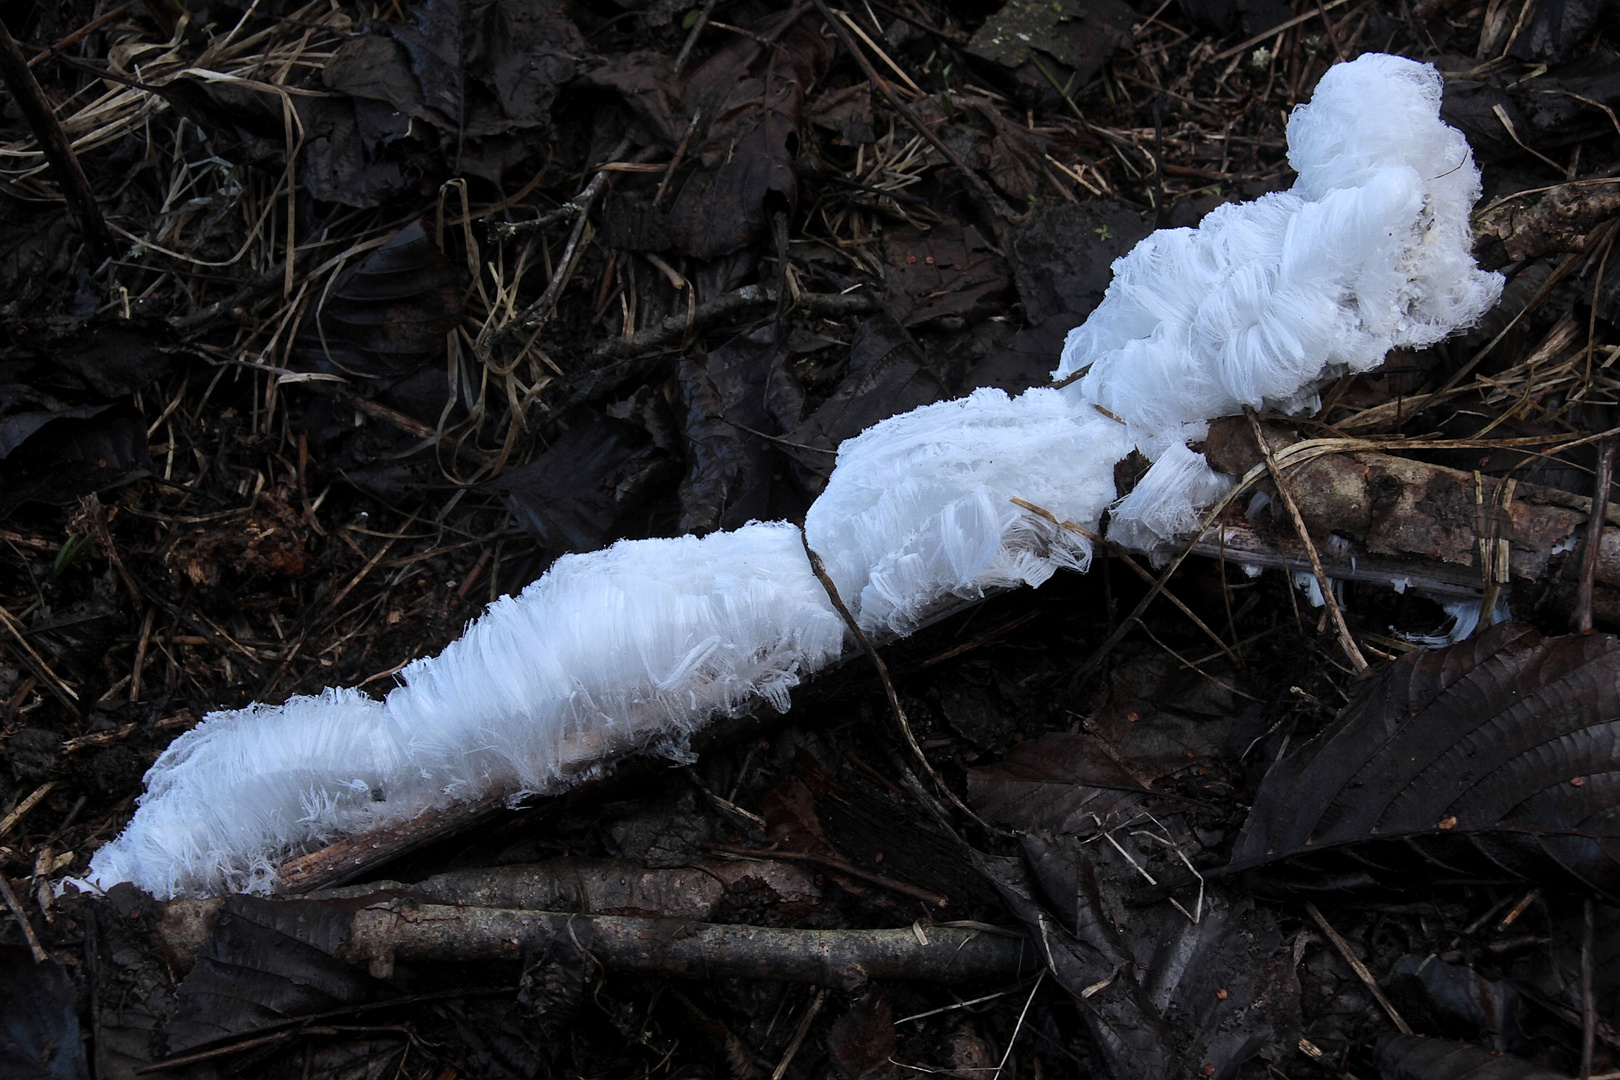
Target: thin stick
point(1588, 1001)
point(1359, 968)
point(992, 201)
point(680, 152)
point(40, 955)
point(952, 1008)
point(537, 312)
point(810, 1015)
point(53, 142)
point(1140, 571)
point(61, 689)
point(820, 570)
point(1327, 24)
point(1279, 28)
point(78, 35)
point(691, 39)
point(1013, 1041)
point(31, 801)
point(1356, 659)
point(1593, 542)
point(1519, 909)
point(1118, 633)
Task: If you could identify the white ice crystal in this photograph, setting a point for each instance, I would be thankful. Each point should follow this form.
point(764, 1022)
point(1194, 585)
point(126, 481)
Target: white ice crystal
point(640, 644)
point(919, 507)
point(1369, 250)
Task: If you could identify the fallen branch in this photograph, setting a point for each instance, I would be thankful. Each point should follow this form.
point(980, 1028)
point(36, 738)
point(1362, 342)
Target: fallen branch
point(1535, 223)
point(403, 930)
point(1419, 523)
point(1409, 523)
point(1285, 493)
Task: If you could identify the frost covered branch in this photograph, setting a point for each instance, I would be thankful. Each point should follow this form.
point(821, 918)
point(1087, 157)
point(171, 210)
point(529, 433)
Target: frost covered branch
point(639, 645)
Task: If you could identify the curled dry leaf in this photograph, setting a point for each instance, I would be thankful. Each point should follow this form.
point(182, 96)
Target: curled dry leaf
point(1455, 763)
point(388, 313)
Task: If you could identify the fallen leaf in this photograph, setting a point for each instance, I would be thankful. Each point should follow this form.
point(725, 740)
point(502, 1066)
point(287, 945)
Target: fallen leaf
point(388, 313)
point(1413, 1057)
point(1456, 1001)
point(947, 275)
point(39, 1020)
point(1218, 990)
point(266, 962)
point(72, 456)
point(887, 375)
point(1486, 733)
point(1065, 784)
point(862, 1040)
point(728, 468)
point(576, 495)
point(739, 169)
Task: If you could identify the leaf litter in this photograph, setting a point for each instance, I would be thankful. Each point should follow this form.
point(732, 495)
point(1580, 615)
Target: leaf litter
point(413, 297)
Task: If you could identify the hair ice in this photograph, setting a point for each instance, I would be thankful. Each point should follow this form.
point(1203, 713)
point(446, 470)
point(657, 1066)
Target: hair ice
point(1369, 250)
point(640, 644)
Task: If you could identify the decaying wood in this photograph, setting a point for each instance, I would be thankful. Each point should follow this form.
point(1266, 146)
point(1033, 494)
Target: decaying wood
point(581, 759)
point(1400, 522)
point(1536, 223)
point(403, 929)
point(1422, 524)
point(1280, 484)
point(352, 856)
point(603, 887)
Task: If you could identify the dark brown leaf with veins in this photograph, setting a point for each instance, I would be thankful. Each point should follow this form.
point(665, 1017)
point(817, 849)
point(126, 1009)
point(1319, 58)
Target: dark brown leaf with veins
point(388, 313)
point(1495, 758)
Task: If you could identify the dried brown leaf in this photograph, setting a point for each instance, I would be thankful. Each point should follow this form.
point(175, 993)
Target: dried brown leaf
point(1510, 734)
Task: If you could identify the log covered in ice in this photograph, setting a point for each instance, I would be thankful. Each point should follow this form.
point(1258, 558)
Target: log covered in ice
point(638, 645)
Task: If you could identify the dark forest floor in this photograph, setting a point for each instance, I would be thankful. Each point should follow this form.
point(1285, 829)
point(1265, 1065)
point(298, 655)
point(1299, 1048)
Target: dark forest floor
point(380, 337)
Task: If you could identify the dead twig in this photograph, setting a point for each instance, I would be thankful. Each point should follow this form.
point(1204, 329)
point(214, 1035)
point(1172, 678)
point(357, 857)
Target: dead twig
point(338, 862)
point(1138, 569)
point(800, 1032)
point(1326, 584)
point(1359, 968)
point(1592, 543)
point(680, 149)
point(990, 199)
point(29, 802)
point(37, 665)
point(675, 328)
point(538, 312)
point(895, 708)
point(53, 143)
point(686, 48)
point(40, 955)
point(1320, 12)
point(78, 35)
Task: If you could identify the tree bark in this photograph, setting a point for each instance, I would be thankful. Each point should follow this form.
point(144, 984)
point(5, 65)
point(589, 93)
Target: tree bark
point(1423, 524)
point(401, 929)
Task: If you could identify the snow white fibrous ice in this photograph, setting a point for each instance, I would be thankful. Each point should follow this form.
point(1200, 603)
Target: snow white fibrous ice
point(638, 645)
